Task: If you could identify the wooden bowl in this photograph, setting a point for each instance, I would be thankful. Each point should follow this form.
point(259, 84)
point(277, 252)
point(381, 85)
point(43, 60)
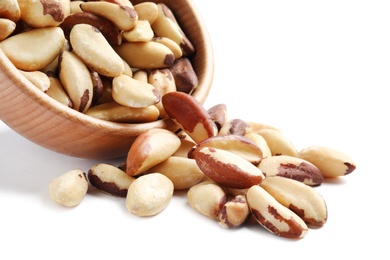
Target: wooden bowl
point(46, 122)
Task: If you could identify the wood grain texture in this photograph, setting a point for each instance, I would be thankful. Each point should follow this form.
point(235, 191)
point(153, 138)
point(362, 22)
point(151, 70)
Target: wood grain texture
point(46, 122)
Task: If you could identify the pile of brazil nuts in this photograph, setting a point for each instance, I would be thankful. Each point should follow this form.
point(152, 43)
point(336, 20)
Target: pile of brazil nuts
point(124, 63)
point(111, 59)
point(233, 171)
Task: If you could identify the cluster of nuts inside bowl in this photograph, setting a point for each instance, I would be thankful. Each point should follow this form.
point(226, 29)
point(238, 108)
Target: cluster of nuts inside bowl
point(233, 170)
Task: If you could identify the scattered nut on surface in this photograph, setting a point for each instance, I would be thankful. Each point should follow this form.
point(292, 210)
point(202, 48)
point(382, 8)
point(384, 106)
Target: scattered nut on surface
point(69, 188)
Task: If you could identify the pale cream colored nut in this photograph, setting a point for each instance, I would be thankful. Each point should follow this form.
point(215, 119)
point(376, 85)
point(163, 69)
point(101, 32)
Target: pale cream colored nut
point(149, 149)
point(207, 198)
point(146, 55)
point(162, 80)
point(26, 52)
point(189, 114)
point(110, 179)
point(107, 28)
point(114, 112)
point(278, 143)
point(141, 32)
point(10, 9)
point(76, 80)
point(69, 188)
point(91, 46)
point(273, 216)
point(227, 168)
point(52, 68)
point(234, 126)
point(149, 194)
point(234, 213)
point(133, 93)
point(304, 200)
point(166, 25)
point(125, 3)
point(185, 147)
point(75, 7)
point(7, 27)
point(291, 167)
point(44, 13)
point(172, 45)
point(128, 71)
point(147, 11)
point(141, 75)
point(331, 162)
point(236, 144)
point(218, 115)
point(183, 172)
point(123, 16)
point(261, 143)
point(255, 127)
point(38, 79)
point(184, 75)
point(57, 92)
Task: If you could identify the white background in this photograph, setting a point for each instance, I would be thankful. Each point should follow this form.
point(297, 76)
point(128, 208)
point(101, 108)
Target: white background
point(317, 70)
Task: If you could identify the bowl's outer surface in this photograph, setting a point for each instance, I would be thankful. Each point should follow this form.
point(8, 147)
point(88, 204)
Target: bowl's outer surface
point(46, 122)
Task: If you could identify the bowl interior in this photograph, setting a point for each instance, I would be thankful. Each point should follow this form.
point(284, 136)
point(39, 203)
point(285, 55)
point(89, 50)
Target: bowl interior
point(46, 122)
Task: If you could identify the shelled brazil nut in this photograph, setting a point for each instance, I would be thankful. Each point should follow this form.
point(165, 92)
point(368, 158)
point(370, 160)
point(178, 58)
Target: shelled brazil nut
point(100, 41)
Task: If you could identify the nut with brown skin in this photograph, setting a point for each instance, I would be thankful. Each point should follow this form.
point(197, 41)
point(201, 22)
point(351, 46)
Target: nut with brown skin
point(207, 198)
point(331, 162)
point(76, 80)
point(124, 17)
point(234, 213)
point(44, 13)
point(163, 81)
point(172, 45)
point(166, 25)
point(302, 199)
point(69, 188)
point(226, 168)
point(236, 144)
point(107, 28)
point(273, 216)
point(218, 115)
point(234, 126)
point(293, 168)
point(189, 114)
point(149, 149)
point(93, 48)
point(110, 179)
point(184, 75)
